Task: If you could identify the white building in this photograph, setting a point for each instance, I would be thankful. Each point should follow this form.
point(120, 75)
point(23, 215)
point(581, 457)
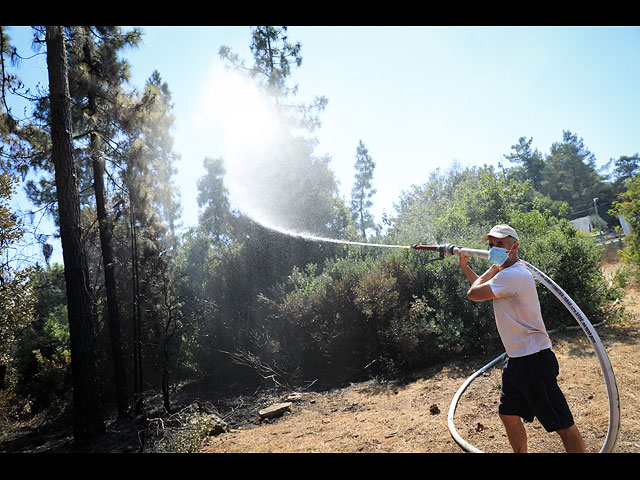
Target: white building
point(583, 223)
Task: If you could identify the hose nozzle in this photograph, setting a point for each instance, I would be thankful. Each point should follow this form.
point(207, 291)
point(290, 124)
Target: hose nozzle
point(449, 249)
point(442, 249)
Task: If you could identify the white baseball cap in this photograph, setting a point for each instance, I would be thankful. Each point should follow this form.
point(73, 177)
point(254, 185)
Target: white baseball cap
point(501, 231)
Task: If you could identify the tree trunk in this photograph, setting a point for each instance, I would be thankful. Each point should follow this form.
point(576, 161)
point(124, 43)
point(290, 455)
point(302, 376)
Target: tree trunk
point(113, 311)
point(87, 423)
point(137, 315)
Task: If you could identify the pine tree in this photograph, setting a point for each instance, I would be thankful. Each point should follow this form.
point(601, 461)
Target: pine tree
point(288, 186)
point(213, 199)
point(530, 163)
point(362, 191)
point(88, 424)
point(97, 75)
point(626, 168)
point(571, 175)
point(147, 158)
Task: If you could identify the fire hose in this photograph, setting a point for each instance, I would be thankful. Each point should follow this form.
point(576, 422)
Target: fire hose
point(584, 323)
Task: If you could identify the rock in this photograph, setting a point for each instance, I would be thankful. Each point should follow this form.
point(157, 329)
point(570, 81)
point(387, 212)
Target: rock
point(213, 424)
point(275, 410)
point(294, 397)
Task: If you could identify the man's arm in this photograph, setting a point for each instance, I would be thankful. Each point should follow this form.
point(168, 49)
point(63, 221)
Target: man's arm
point(471, 275)
point(479, 290)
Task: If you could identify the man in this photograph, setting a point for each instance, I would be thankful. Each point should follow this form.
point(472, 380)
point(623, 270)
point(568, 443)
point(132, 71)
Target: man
point(529, 387)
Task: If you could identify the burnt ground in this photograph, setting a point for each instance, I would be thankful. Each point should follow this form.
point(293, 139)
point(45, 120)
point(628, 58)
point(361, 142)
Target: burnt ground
point(411, 416)
point(376, 416)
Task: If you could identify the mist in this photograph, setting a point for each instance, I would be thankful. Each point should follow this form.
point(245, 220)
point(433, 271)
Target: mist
point(271, 173)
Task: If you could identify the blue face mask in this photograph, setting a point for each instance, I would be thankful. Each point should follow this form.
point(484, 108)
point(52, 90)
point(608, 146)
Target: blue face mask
point(498, 255)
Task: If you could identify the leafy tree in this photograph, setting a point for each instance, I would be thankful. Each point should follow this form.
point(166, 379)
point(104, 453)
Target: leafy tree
point(383, 312)
point(43, 351)
point(626, 167)
point(570, 174)
point(628, 206)
point(530, 163)
point(362, 191)
point(212, 197)
point(453, 205)
point(16, 295)
point(147, 156)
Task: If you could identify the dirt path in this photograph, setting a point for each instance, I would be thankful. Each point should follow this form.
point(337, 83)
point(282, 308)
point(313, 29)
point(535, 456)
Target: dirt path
point(374, 417)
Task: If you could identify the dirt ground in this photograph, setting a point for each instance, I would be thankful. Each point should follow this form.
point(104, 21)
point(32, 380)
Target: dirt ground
point(377, 417)
point(399, 417)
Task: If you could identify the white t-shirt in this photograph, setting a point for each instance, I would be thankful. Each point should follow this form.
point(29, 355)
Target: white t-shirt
point(517, 312)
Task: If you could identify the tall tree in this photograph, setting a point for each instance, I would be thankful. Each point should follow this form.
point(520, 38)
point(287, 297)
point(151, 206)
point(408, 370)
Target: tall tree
point(363, 190)
point(571, 174)
point(98, 74)
point(273, 55)
point(148, 157)
point(530, 164)
point(289, 186)
point(213, 199)
point(626, 167)
point(88, 424)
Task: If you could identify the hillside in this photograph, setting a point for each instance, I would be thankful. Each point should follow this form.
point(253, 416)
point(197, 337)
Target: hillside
point(411, 416)
point(404, 416)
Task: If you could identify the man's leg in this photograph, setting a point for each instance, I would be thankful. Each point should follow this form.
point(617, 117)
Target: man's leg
point(516, 432)
point(572, 440)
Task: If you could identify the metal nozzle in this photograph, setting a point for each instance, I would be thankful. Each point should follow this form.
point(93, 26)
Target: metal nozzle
point(449, 249)
point(443, 249)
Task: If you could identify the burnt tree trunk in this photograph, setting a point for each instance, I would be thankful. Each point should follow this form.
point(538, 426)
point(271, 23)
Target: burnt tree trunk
point(87, 418)
point(113, 310)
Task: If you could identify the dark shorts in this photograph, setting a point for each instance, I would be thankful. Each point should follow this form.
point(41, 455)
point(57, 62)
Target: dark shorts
point(529, 389)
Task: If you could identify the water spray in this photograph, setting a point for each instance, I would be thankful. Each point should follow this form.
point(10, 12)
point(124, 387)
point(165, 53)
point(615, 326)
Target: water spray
point(583, 322)
point(316, 238)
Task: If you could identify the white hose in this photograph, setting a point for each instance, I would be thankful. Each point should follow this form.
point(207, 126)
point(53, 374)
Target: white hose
point(587, 327)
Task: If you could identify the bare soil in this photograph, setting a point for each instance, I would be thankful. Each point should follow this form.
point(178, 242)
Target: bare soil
point(404, 416)
point(411, 416)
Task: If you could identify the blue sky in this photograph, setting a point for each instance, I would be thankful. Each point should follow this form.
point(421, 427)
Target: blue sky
point(419, 98)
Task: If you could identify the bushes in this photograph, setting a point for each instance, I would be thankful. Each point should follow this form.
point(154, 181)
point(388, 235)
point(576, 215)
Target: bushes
point(323, 331)
point(571, 259)
point(373, 311)
point(350, 312)
point(381, 313)
point(628, 206)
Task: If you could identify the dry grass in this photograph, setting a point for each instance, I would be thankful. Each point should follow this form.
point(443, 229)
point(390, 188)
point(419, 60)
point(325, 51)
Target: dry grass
point(375, 417)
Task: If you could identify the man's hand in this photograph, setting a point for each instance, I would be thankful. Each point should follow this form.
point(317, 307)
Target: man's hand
point(462, 260)
point(470, 274)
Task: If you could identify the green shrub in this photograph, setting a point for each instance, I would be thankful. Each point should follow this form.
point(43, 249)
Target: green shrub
point(572, 260)
point(375, 310)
